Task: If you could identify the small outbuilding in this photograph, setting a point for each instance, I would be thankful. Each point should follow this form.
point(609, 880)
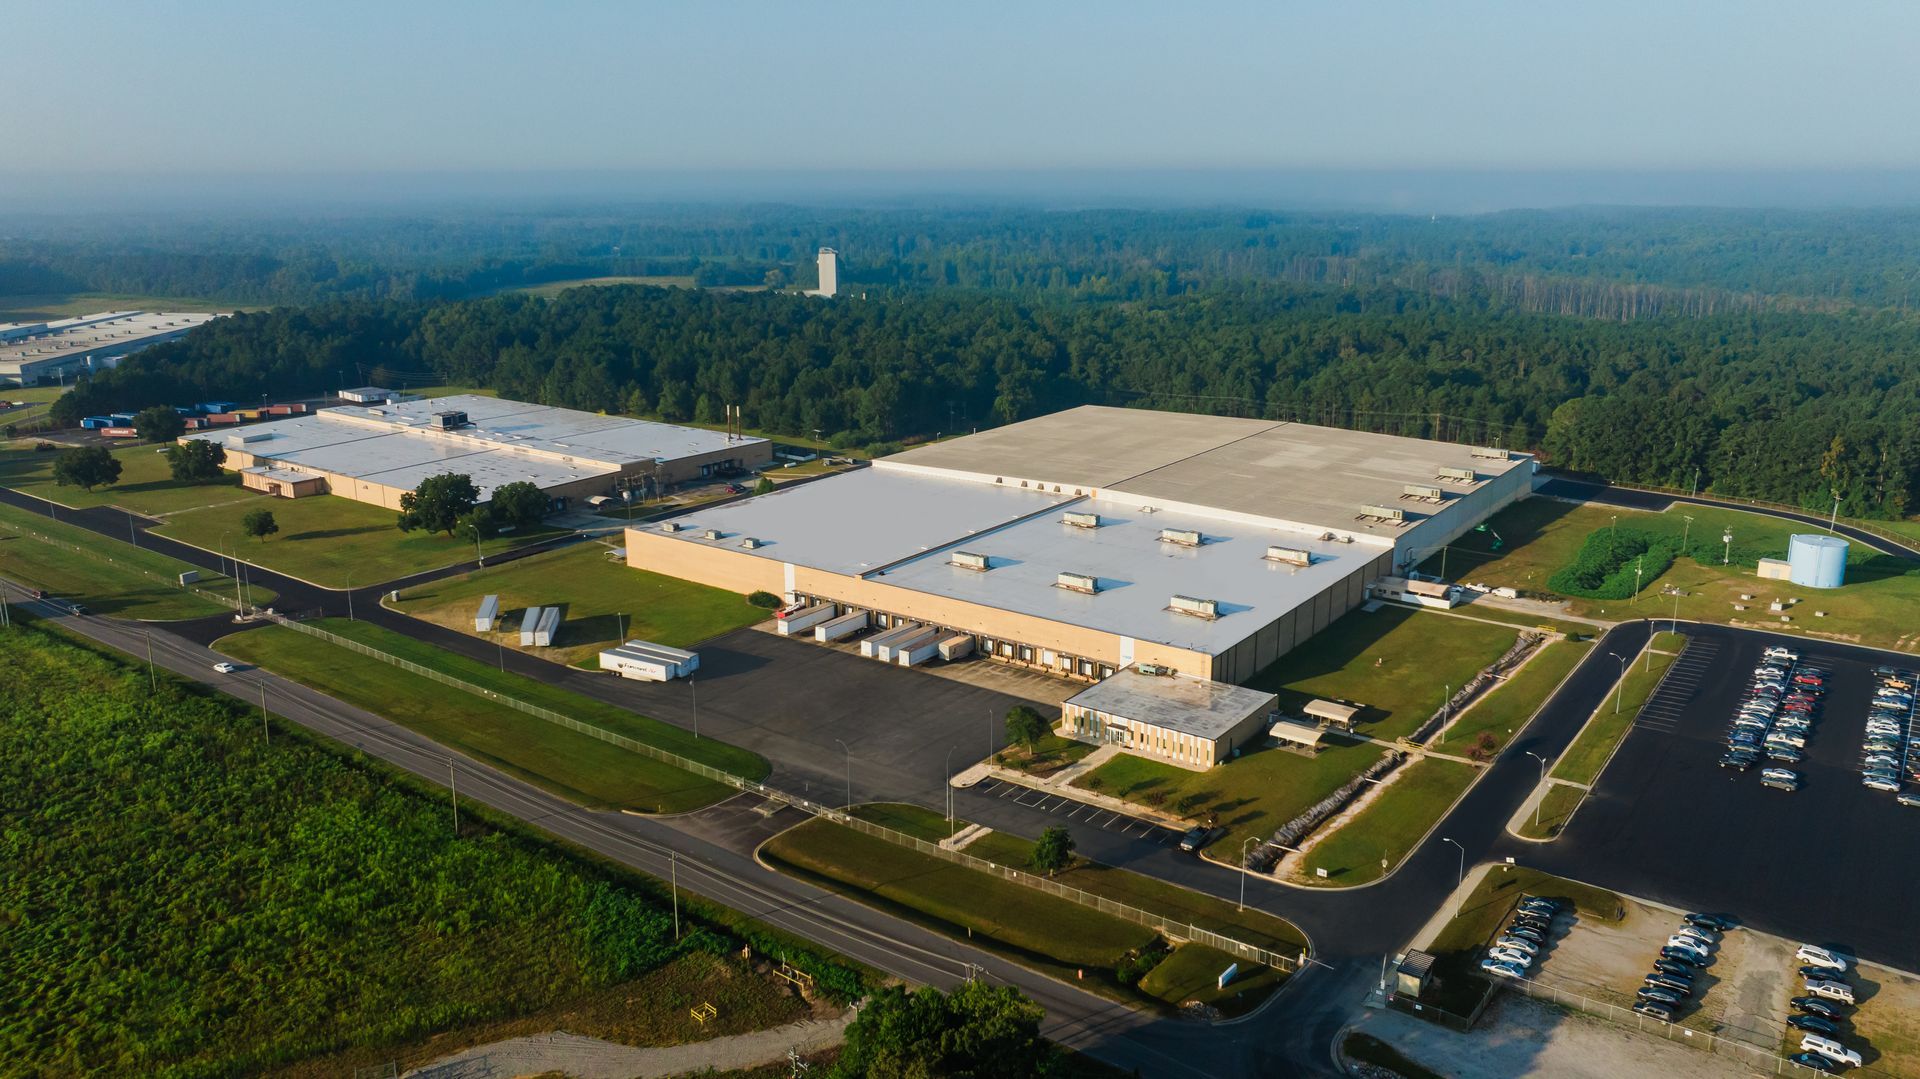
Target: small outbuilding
point(1186, 721)
point(1333, 713)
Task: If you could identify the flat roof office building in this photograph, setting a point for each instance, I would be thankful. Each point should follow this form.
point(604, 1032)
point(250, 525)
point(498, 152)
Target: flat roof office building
point(36, 352)
point(376, 453)
point(1090, 540)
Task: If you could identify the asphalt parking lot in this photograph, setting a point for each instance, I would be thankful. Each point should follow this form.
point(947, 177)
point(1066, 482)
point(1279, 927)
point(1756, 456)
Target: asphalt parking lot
point(989, 795)
point(1829, 863)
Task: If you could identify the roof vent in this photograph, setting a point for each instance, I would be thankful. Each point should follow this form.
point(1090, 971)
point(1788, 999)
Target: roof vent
point(712, 534)
point(1423, 492)
point(670, 526)
point(1458, 475)
point(1185, 537)
point(1292, 556)
point(970, 560)
point(1081, 520)
point(1489, 453)
point(1382, 513)
point(1077, 582)
point(1199, 608)
point(1157, 670)
point(750, 543)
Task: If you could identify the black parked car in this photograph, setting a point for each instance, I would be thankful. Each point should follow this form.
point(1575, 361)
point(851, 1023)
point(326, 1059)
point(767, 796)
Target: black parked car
point(1814, 1024)
point(1815, 1006)
point(1668, 966)
point(1816, 1062)
point(1684, 956)
point(1656, 1009)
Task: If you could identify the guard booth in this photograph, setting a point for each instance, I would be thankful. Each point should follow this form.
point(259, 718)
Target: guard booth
point(1333, 713)
point(1413, 974)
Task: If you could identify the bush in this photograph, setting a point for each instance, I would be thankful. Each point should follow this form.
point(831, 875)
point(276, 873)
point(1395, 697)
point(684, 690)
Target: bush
point(1610, 562)
point(766, 601)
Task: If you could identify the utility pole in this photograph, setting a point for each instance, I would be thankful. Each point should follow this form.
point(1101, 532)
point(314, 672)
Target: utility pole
point(453, 789)
point(1696, 482)
point(693, 687)
point(1620, 687)
point(1727, 551)
point(349, 596)
point(673, 882)
point(152, 685)
point(265, 735)
point(950, 784)
point(1685, 533)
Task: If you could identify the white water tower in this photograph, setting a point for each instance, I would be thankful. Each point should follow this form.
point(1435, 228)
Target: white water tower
point(829, 272)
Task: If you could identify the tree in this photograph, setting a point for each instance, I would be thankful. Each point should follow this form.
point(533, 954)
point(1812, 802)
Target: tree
point(520, 504)
point(196, 460)
point(764, 487)
point(159, 424)
point(1025, 726)
point(438, 503)
point(979, 1030)
point(1053, 850)
point(477, 524)
point(259, 524)
point(86, 467)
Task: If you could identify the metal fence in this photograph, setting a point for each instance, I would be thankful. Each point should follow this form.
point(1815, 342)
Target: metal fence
point(1168, 926)
point(1753, 1056)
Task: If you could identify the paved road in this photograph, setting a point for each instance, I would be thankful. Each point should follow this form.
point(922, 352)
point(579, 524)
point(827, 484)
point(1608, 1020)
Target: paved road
point(1634, 499)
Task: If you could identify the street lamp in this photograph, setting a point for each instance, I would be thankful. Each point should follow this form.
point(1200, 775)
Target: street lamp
point(1463, 859)
point(950, 784)
point(1243, 870)
point(1831, 521)
point(693, 688)
point(1613, 527)
point(1543, 782)
point(349, 595)
point(1619, 687)
point(849, 802)
point(1727, 551)
point(1685, 532)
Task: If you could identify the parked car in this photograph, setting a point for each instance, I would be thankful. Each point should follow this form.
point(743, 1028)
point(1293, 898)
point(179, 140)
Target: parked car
point(1780, 784)
point(1881, 783)
point(1656, 1009)
point(1668, 966)
point(1833, 1050)
point(1738, 761)
point(1540, 905)
point(1685, 955)
point(1694, 932)
point(1654, 992)
point(1815, 1006)
point(1518, 944)
point(1785, 754)
point(1195, 838)
point(1668, 981)
point(1909, 798)
point(1839, 991)
point(1501, 970)
point(224, 667)
point(1814, 1024)
point(1682, 944)
point(1815, 1062)
point(1523, 960)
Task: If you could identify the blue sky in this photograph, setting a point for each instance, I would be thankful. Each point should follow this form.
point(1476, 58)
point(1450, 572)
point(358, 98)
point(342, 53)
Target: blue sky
point(323, 86)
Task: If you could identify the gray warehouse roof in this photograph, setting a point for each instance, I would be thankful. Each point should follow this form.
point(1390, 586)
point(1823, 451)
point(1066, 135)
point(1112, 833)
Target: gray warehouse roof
point(1178, 702)
point(1092, 446)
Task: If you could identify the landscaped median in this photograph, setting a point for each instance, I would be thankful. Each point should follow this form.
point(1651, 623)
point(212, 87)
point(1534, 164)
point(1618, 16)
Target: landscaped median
point(1064, 937)
point(569, 763)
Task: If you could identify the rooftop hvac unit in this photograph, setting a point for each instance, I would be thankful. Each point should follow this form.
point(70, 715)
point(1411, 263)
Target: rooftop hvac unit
point(1077, 582)
point(447, 421)
point(670, 526)
point(1458, 475)
point(1385, 513)
point(1292, 556)
point(1158, 670)
point(711, 533)
point(969, 560)
point(1082, 520)
point(1489, 453)
point(1185, 537)
point(1199, 608)
point(750, 543)
point(1423, 491)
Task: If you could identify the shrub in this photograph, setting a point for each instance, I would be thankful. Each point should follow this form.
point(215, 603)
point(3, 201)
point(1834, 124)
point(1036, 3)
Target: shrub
point(766, 601)
point(1611, 560)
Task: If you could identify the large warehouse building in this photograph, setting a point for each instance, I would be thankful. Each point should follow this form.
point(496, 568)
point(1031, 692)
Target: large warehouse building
point(35, 352)
point(377, 453)
point(1099, 538)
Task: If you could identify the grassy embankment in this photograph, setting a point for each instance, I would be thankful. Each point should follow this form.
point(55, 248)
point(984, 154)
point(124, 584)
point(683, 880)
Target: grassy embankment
point(573, 765)
point(106, 577)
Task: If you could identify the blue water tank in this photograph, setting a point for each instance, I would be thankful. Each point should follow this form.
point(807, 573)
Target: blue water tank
point(1817, 561)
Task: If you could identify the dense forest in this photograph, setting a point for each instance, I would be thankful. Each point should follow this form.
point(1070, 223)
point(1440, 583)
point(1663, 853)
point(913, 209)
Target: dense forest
point(1612, 263)
point(1789, 406)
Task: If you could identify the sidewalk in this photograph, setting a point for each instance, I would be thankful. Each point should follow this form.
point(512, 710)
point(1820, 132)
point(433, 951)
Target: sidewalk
point(591, 1058)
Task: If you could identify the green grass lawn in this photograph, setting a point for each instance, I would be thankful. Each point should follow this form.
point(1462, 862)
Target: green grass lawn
point(1591, 750)
point(599, 597)
point(329, 540)
point(555, 288)
point(909, 819)
point(1526, 620)
point(1507, 707)
point(570, 764)
point(1250, 796)
point(39, 399)
point(107, 577)
point(1050, 754)
point(1555, 810)
point(1193, 972)
point(1389, 826)
point(1396, 661)
point(145, 484)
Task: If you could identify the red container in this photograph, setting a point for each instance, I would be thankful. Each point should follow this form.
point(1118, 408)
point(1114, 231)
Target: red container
point(217, 418)
point(118, 432)
point(279, 410)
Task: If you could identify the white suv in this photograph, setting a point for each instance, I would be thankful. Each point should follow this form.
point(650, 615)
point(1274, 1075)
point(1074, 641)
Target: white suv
point(1815, 956)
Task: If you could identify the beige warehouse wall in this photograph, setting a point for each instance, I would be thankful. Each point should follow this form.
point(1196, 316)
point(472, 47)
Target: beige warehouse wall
point(735, 571)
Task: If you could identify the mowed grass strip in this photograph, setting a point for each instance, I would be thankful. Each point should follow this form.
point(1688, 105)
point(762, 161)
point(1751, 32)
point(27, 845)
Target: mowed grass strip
point(1396, 661)
point(728, 758)
point(1591, 750)
point(107, 577)
point(572, 765)
point(911, 820)
point(1192, 973)
point(1390, 825)
point(1506, 708)
point(146, 481)
point(331, 541)
point(1056, 931)
point(601, 598)
point(1555, 810)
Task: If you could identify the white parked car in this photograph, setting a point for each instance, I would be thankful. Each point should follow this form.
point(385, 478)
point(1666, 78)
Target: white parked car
point(1518, 944)
point(1704, 938)
point(224, 667)
point(1832, 1050)
point(1815, 956)
point(1688, 944)
point(1502, 970)
point(1509, 955)
point(1839, 991)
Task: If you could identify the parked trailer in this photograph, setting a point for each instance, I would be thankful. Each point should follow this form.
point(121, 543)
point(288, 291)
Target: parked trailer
point(872, 645)
point(889, 651)
point(649, 662)
point(118, 432)
point(121, 419)
point(548, 630)
point(489, 610)
point(803, 620)
point(956, 647)
point(918, 650)
point(94, 423)
point(217, 419)
point(529, 622)
point(844, 626)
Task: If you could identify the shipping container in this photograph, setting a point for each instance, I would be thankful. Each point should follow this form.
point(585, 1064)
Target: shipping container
point(195, 423)
point(213, 406)
point(94, 423)
point(919, 650)
point(801, 621)
point(528, 623)
point(118, 432)
point(489, 610)
point(872, 645)
point(649, 662)
point(121, 419)
point(548, 630)
point(247, 413)
point(956, 647)
point(844, 626)
point(218, 419)
point(278, 410)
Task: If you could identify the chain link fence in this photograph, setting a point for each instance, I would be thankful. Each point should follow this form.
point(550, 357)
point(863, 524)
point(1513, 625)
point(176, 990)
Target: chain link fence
point(1170, 927)
point(196, 588)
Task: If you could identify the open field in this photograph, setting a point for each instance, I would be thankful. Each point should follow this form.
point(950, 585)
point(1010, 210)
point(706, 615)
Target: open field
point(1879, 605)
point(339, 916)
point(1507, 707)
point(145, 484)
point(331, 541)
point(49, 306)
point(107, 577)
point(1389, 826)
point(1594, 746)
point(909, 819)
point(571, 764)
point(38, 398)
point(1251, 795)
point(1396, 661)
point(599, 597)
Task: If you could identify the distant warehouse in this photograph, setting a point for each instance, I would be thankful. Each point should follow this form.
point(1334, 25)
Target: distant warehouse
point(376, 453)
point(36, 352)
point(1095, 539)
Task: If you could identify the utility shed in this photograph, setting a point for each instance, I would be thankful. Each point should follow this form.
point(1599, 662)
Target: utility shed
point(1333, 713)
point(1182, 720)
point(484, 617)
point(649, 662)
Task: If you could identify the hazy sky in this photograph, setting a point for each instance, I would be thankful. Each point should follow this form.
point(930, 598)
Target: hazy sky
point(325, 85)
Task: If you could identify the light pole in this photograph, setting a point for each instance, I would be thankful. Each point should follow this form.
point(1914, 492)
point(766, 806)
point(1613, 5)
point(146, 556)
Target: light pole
point(1613, 528)
point(673, 882)
point(1543, 782)
point(1243, 870)
point(1463, 860)
point(349, 595)
point(693, 687)
point(1727, 551)
point(265, 736)
point(1619, 688)
point(849, 802)
point(1696, 482)
point(1675, 627)
point(152, 685)
point(1685, 532)
point(1831, 520)
point(453, 789)
point(950, 786)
